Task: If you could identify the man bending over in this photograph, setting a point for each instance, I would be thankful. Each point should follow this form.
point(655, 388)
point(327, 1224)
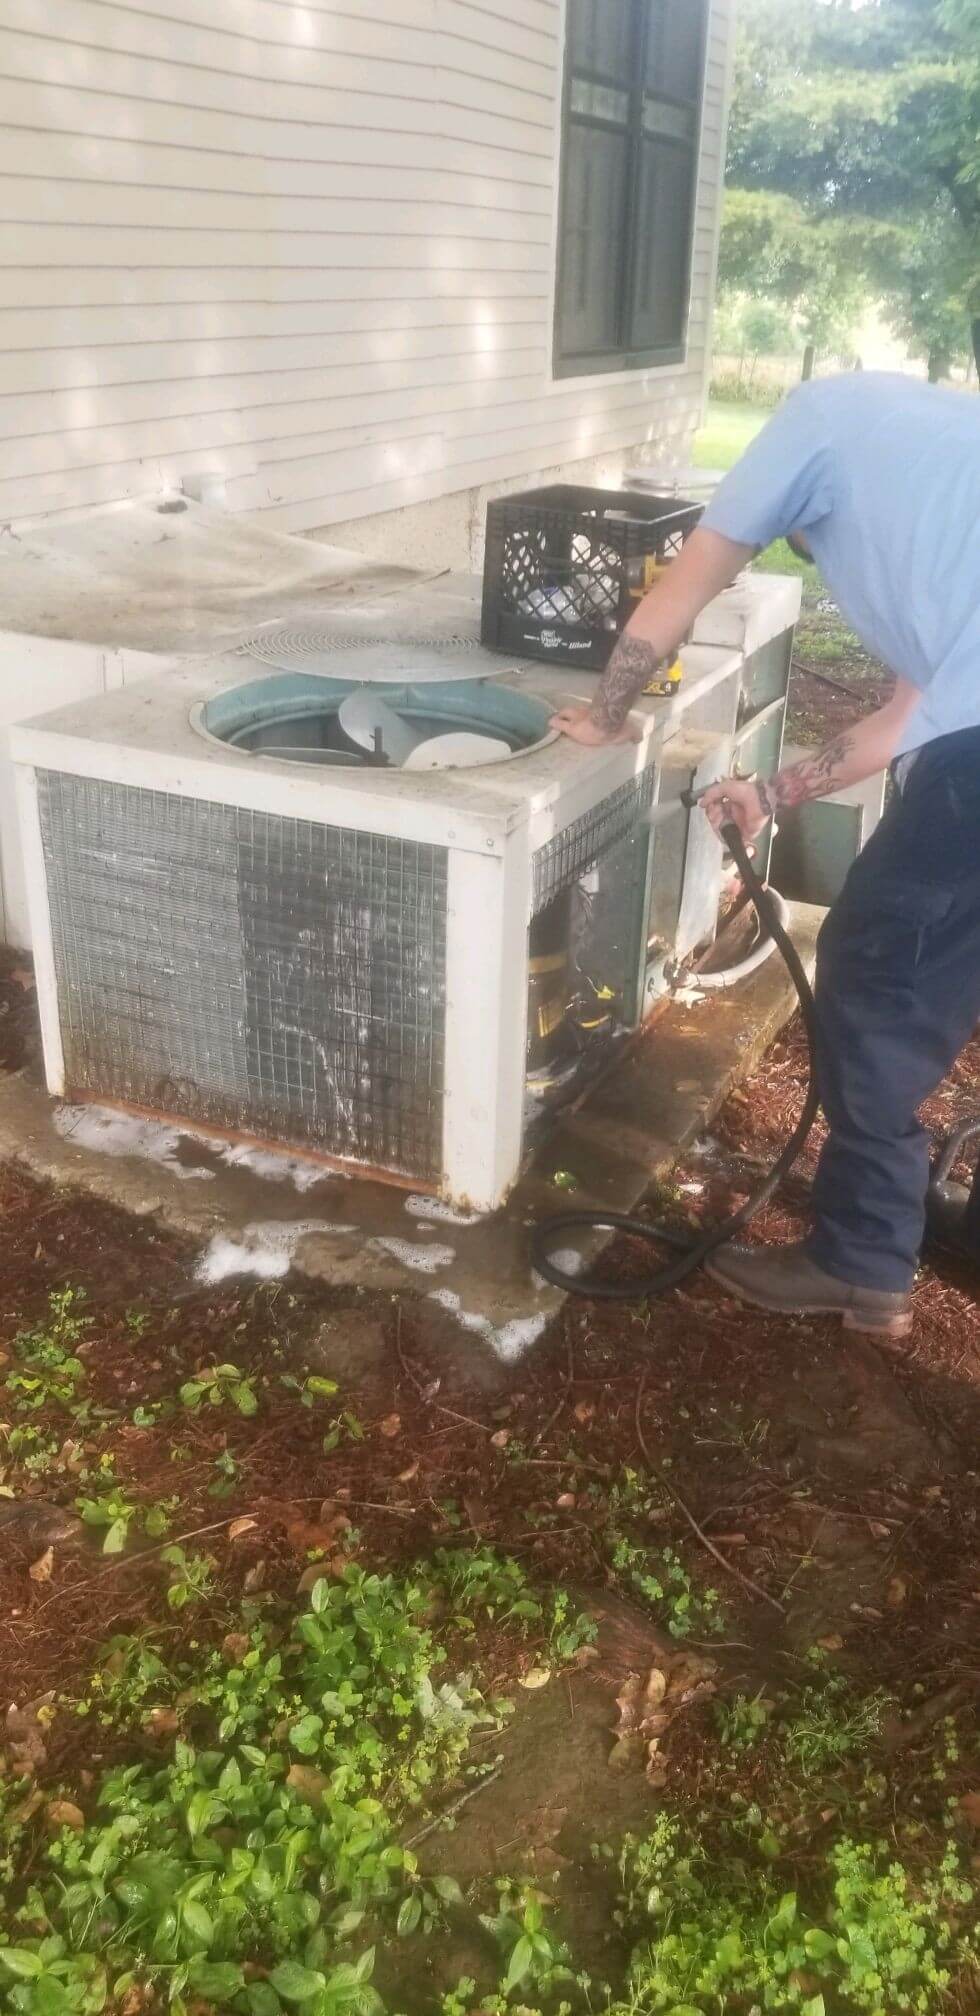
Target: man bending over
point(877, 477)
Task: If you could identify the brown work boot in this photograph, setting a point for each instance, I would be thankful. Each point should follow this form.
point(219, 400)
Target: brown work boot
point(786, 1279)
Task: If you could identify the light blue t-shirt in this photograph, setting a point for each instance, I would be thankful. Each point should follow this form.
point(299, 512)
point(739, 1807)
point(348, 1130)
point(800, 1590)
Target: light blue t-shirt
point(882, 474)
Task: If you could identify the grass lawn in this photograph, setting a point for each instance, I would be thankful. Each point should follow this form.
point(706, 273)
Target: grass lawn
point(727, 433)
point(846, 681)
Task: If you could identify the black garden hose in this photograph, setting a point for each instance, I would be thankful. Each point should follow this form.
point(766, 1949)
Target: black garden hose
point(690, 1255)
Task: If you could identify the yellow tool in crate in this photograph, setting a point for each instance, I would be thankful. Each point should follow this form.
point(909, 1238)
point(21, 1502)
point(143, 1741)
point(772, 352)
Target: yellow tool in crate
point(645, 573)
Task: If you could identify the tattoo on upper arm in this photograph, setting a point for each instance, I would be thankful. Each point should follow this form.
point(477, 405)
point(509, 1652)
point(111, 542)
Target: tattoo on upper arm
point(813, 777)
point(632, 665)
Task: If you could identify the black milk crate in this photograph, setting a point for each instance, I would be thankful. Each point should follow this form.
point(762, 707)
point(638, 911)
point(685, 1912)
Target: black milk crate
point(565, 566)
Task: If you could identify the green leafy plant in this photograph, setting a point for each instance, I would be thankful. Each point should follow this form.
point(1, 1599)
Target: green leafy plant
point(220, 1386)
point(47, 1370)
point(743, 1722)
point(115, 1513)
point(871, 1938)
point(343, 1429)
point(534, 1956)
point(190, 1577)
point(478, 1581)
point(829, 1723)
point(657, 1574)
point(227, 1472)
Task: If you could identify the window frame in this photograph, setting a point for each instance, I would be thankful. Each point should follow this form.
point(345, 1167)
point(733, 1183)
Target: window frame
point(598, 363)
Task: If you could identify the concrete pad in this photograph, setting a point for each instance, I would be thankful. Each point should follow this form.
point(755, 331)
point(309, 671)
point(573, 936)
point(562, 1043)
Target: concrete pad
point(252, 1215)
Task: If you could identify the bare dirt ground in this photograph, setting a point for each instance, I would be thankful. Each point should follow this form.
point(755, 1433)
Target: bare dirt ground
point(714, 1578)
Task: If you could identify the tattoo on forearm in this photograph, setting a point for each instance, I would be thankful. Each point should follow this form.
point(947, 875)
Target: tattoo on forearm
point(813, 777)
point(632, 665)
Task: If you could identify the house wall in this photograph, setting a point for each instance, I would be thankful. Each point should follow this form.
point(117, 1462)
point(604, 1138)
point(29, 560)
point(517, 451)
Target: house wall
point(307, 249)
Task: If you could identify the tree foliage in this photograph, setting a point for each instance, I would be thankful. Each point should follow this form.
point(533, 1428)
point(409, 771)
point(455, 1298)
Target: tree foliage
point(867, 121)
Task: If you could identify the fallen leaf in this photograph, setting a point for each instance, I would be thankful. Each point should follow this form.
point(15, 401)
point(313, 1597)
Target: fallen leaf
point(628, 1702)
point(501, 1439)
point(688, 1671)
point(833, 1643)
point(970, 1808)
point(879, 1530)
point(25, 1730)
point(587, 1655)
point(62, 1813)
point(303, 1778)
point(235, 1646)
point(584, 1412)
point(134, 2001)
point(240, 1526)
point(318, 1571)
point(627, 1754)
point(408, 1476)
point(896, 1593)
point(656, 1688)
point(40, 1570)
point(567, 1502)
point(307, 1536)
point(390, 1426)
point(162, 1721)
point(538, 1676)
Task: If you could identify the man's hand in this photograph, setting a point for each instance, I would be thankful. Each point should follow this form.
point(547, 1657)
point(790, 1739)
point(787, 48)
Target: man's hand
point(740, 801)
point(577, 723)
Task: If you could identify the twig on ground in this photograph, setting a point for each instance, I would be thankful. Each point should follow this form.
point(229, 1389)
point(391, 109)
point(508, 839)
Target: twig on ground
point(406, 1364)
point(455, 1806)
point(745, 1581)
point(826, 679)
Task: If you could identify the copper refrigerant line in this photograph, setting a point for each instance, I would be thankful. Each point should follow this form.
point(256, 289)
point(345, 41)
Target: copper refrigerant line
point(554, 1233)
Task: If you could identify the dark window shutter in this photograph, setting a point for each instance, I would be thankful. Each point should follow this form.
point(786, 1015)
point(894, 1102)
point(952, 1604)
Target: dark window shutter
point(595, 172)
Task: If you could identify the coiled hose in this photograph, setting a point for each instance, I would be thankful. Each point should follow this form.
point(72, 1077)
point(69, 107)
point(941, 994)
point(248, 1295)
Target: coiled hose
point(692, 1255)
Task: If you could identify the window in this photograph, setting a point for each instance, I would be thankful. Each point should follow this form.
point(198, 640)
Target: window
point(632, 115)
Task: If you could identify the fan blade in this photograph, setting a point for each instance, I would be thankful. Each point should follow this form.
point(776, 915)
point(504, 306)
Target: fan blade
point(456, 751)
point(364, 714)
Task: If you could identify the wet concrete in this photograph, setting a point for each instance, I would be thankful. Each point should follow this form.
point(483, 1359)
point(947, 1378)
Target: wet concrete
point(624, 1137)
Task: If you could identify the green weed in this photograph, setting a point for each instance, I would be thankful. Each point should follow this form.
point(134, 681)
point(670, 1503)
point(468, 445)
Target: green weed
point(533, 1957)
point(743, 1722)
point(48, 1371)
point(481, 1583)
point(829, 1724)
point(657, 1574)
point(870, 1938)
point(219, 1386)
point(190, 1577)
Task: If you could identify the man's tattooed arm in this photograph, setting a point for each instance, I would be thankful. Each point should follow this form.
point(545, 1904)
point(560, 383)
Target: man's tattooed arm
point(632, 665)
point(814, 776)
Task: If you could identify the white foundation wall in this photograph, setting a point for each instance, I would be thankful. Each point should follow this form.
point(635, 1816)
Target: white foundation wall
point(308, 250)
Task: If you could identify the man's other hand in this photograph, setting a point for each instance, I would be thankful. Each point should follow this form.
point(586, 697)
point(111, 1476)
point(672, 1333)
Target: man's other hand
point(578, 725)
point(735, 800)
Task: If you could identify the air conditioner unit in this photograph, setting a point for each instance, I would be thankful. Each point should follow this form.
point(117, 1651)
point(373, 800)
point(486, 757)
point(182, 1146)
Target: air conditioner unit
point(247, 918)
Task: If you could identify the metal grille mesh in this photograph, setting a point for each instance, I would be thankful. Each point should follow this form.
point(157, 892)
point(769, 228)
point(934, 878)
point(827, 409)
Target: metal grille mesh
point(265, 974)
point(577, 847)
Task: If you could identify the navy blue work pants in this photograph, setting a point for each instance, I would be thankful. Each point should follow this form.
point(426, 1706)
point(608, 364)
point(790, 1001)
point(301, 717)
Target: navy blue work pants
point(898, 995)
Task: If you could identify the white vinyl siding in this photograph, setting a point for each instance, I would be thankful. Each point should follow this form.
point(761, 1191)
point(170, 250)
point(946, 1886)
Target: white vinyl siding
point(309, 248)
